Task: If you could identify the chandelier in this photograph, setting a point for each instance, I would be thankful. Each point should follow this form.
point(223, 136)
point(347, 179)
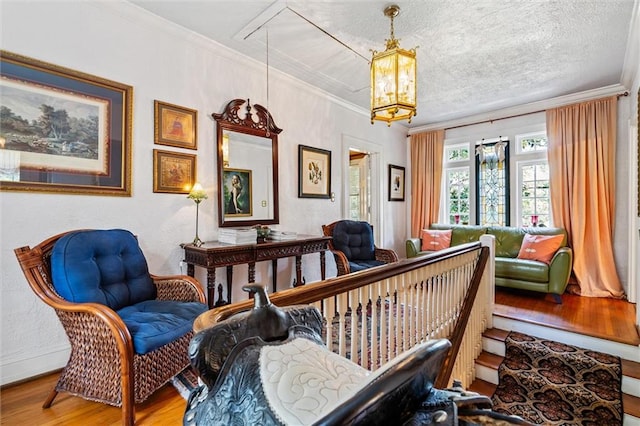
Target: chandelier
point(393, 79)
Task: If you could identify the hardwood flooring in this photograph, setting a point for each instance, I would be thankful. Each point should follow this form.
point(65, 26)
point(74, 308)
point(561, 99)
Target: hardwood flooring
point(592, 316)
point(22, 403)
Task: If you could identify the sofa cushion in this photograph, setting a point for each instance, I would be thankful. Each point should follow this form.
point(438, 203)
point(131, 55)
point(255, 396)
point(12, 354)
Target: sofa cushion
point(101, 266)
point(462, 234)
point(433, 240)
point(540, 247)
point(154, 323)
point(509, 239)
point(354, 239)
point(524, 270)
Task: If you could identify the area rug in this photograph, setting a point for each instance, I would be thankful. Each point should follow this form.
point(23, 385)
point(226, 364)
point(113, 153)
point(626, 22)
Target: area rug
point(551, 383)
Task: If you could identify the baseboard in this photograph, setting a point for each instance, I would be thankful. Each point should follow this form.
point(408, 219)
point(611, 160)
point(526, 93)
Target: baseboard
point(15, 371)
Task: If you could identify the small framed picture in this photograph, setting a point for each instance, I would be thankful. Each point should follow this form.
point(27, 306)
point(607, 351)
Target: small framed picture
point(175, 126)
point(173, 172)
point(396, 183)
point(237, 193)
point(314, 172)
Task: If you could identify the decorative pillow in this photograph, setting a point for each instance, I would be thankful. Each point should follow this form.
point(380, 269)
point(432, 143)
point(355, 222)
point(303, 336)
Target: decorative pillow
point(540, 247)
point(433, 240)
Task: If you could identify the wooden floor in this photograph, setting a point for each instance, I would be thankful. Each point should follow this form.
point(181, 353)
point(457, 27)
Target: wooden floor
point(592, 316)
point(22, 404)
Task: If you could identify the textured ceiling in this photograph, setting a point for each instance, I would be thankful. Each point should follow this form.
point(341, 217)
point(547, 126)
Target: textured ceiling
point(474, 56)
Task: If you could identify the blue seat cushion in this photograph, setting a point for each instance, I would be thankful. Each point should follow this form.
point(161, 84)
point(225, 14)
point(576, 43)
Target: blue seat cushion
point(354, 239)
point(101, 266)
point(359, 265)
point(154, 323)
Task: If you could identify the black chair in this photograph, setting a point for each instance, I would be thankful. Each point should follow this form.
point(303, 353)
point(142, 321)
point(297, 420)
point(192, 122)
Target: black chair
point(353, 247)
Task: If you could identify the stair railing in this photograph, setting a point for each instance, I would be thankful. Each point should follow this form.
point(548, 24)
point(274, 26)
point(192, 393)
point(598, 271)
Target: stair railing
point(374, 315)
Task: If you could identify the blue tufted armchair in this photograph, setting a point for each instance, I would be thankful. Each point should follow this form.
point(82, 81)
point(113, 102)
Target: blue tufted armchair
point(353, 247)
point(129, 330)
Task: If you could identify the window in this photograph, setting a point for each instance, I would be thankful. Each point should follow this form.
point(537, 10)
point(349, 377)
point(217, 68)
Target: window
point(492, 183)
point(457, 180)
point(533, 198)
point(535, 209)
point(456, 188)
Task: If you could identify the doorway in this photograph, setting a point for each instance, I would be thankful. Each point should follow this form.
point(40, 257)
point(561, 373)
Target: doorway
point(361, 191)
point(359, 186)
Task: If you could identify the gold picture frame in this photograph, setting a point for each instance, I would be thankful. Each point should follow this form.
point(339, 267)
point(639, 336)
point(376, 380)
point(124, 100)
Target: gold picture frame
point(175, 125)
point(173, 172)
point(86, 149)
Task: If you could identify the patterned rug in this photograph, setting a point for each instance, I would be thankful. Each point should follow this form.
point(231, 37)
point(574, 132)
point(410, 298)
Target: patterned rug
point(551, 383)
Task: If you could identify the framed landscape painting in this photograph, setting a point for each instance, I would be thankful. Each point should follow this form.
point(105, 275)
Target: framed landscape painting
point(314, 172)
point(62, 130)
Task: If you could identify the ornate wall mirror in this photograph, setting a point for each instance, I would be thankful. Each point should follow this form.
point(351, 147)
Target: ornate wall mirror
point(247, 165)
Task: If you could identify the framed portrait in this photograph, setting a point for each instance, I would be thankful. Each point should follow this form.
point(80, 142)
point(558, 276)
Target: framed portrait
point(314, 172)
point(173, 172)
point(175, 125)
point(63, 131)
point(237, 192)
point(396, 183)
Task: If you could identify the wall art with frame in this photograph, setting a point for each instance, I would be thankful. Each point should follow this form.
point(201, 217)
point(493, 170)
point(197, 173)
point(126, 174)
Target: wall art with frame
point(173, 172)
point(396, 183)
point(314, 172)
point(63, 131)
point(237, 192)
point(175, 125)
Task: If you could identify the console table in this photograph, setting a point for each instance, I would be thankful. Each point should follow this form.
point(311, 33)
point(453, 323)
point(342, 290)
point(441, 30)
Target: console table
point(212, 255)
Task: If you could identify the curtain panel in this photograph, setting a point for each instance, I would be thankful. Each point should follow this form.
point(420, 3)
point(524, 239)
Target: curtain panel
point(582, 144)
point(426, 175)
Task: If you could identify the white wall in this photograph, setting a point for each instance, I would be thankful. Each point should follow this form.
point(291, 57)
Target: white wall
point(120, 42)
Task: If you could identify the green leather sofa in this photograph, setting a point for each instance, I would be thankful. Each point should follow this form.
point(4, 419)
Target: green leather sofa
point(511, 271)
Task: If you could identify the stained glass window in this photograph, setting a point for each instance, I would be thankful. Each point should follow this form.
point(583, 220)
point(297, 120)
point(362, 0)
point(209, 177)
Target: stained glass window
point(492, 184)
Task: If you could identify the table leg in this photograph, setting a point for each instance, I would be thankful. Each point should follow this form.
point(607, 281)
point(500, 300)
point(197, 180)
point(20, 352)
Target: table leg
point(252, 272)
point(211, 286)
point(191, 270)
point(298, 281)
point(274, 272)
point(229, 282)
point(322, 266)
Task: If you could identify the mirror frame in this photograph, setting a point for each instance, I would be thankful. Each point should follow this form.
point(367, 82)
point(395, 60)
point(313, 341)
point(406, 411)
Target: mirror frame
point(264, 127)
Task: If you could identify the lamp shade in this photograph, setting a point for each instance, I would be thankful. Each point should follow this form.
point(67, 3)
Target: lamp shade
point(197, 193)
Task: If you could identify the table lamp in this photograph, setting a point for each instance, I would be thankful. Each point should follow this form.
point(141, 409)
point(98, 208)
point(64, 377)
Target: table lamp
point(197, 194)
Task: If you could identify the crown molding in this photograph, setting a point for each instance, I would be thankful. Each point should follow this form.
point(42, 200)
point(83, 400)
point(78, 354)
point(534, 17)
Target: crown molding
point(139, 16)
point(523, 109)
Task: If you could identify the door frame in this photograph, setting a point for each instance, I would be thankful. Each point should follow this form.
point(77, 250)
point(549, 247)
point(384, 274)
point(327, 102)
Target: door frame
point(375, 156)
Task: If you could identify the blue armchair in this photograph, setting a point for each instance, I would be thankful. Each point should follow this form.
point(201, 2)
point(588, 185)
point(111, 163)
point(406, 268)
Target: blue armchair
point(129, 330)
point(353, 247)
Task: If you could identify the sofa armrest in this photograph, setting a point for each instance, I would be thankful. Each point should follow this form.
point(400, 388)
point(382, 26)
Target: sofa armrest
point(413, 246)
point(560, 270)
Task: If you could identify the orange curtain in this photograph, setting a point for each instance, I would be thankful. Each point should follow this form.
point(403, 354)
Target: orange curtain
point(426, 176)
point(582, 143)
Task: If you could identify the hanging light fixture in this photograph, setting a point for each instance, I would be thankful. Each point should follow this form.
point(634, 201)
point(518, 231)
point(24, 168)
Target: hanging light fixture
point(393, 79)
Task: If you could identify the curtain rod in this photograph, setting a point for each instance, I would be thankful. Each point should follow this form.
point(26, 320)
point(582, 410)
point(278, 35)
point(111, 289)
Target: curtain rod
point(514, 116)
